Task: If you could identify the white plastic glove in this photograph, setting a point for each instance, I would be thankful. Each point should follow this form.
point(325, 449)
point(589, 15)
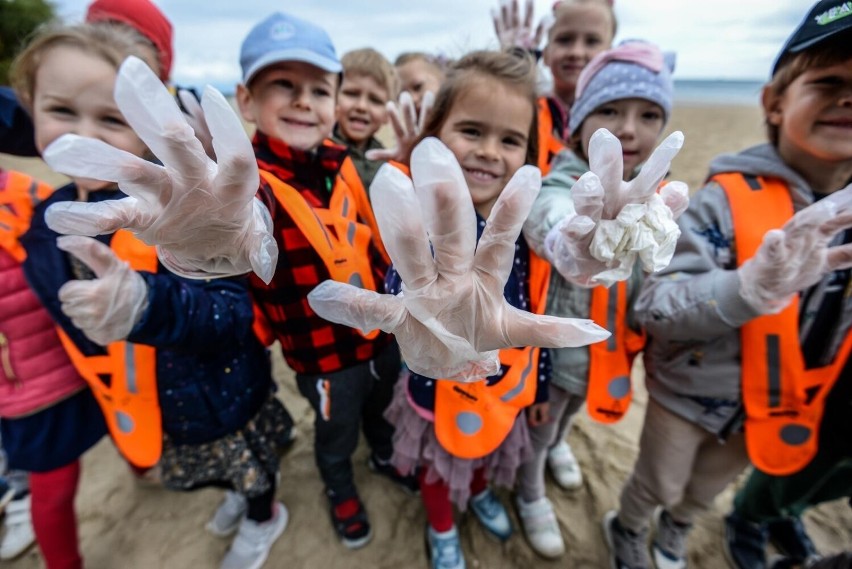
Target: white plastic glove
point(798, 255)
point(407, 126)
point(451, 318)
point(511, 31)
point(202, 216)
point(107, 308)
point(618, 222)
point(195, 117)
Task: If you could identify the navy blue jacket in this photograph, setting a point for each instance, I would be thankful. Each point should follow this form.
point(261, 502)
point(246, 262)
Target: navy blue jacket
point(213, 375)
point(16, 128)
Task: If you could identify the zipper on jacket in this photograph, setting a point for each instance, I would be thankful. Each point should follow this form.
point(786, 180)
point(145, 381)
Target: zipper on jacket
point(6, 359)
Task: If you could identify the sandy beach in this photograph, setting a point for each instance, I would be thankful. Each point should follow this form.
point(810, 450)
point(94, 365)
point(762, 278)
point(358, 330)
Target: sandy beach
point(127, 526)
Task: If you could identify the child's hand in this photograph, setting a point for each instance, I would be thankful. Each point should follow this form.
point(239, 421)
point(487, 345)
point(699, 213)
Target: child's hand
point(511, 31)
point(451, 317)
point(538, 414)
point(407, 127)
point(618, 222)
point(201, 215)
point(195, 117)
point(107, 308)
point(798, 255)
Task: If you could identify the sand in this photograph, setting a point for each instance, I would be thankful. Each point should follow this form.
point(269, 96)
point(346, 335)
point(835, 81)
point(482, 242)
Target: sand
point(125, 525)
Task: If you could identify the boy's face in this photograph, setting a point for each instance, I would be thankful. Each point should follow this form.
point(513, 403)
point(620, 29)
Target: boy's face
point(582, 32)
point(637, 123)
point(487, 130)
point(814, 114)
point(74, 95)
point(361, 107)
point(291, 101)
point(417, 77)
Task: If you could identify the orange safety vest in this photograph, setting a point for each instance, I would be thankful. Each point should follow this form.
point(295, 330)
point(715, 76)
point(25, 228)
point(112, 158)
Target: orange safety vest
point(124, 380)
point(610, 390)
point(783, 401)
point(17, 202)
point(549, 145)
point(349, 175)
point(472, 419)
point(344, 250)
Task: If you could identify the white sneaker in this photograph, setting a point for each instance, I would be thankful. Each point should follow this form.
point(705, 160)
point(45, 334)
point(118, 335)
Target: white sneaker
point(254, 540)
point(228, 515)
point(19, 529)
point(564, 466)
point(540, 526)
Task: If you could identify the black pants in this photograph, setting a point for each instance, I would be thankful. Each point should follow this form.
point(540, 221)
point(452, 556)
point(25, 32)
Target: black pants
point(346, 402)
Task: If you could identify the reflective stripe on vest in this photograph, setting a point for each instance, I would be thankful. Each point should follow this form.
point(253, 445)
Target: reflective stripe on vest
point(349, 175)
point(548, 144)
point(124, 380)
point(473, 419)
point(341, 241)
point(611, 361)
point(18, 199)
point(784, 401)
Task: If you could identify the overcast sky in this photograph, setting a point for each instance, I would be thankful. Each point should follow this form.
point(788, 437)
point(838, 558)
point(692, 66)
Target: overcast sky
point(729, 39)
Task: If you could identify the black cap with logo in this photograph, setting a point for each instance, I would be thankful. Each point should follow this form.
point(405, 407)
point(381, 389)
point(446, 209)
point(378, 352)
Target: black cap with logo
point(826, 19)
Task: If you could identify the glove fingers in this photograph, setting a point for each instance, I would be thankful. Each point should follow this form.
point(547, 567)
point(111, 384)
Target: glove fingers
point(426, 104)
point(496, 249)
point(447, 208)
point(359, 308)
point(153, 113)
point(528, 17)
point(190, 103)
point(607, 162)
point(380, 154)
point(588, 196)
point(398, 215)
point(409, 115)
point(656, 167)
point(395, 115)
point(839, 258)
point(527, 329)
point(91, 252)
point(676, 197)
point(92, 219)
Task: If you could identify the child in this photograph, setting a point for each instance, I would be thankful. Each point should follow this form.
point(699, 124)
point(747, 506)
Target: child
point(771, 506)
point(484, 113)
point(201, 379)
point(726, 314)
point(288, 92)
point(369, 82)
point(581, 29)
point(628, 91)
point(418, 73)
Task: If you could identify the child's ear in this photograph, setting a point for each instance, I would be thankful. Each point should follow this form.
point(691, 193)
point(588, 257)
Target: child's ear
point(545, 54)
point(772, 105)
point(244, 100)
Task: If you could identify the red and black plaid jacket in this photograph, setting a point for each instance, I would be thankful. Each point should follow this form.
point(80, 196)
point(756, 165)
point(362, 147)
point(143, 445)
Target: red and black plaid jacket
point(310, 344)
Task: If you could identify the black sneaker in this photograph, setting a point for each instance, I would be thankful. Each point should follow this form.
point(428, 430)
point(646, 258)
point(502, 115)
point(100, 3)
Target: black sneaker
point(790, 539)
point(350, 521)
point(408, 484)
point(744, 543)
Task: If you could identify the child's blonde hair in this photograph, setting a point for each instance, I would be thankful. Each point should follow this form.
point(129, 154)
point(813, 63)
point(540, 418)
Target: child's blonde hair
point(831, 52)
point(111, 42)
point(562, 7)
point(514, 70)
point(370, 63)
point(436, 64)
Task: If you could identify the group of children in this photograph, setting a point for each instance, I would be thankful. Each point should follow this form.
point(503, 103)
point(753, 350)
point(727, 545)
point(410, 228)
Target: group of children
point(177, 369)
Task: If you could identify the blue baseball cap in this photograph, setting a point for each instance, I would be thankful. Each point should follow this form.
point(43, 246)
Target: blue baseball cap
point(281, 37)
point(826, 19)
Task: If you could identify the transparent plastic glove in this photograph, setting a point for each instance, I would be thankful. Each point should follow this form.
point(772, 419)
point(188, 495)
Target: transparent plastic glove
point(798, 255)
point(106, 308)
point(201, 215)
point(512, 31)
point(617, 223)
point(407, 127)
point(195, 117)
point(451, 318)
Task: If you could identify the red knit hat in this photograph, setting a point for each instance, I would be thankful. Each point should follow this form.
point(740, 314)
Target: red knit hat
point(143, 16)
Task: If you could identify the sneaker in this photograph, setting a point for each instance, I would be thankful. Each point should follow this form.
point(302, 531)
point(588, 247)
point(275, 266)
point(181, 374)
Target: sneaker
point(540, 527)
point(745, 543)
point(491, 513)
point(444, 549)
point(668, 547)
point(19, 529)
point(789, 537)
point(627, 549)
point(564, 466)
point(228, 515)
point(6, 494)
point(350, 521)
point(254, 540)
point(408, 484)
